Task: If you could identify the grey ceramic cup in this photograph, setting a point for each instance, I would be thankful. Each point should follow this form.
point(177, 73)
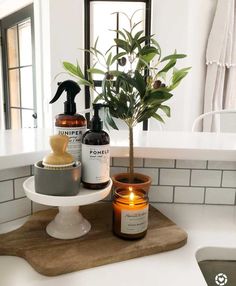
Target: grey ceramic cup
point(57, 182)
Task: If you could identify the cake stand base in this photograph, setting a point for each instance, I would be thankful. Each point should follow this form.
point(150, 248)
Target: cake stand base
point(68, 224)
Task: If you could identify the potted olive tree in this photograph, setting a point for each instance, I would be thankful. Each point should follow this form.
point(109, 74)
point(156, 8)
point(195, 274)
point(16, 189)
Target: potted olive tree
point(137, 81)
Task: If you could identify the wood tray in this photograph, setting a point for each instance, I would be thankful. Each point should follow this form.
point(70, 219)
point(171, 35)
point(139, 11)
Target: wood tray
point(50, 256)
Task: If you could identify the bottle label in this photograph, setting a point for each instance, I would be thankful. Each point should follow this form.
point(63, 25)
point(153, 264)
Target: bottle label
point(75, 138)
point(95, 163)
point(134, 221)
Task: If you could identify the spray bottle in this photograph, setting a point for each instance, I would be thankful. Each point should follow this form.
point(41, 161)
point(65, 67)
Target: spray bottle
point(70, 123)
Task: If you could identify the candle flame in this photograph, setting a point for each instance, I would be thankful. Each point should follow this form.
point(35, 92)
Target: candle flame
point(130, 189)
point(131, 196)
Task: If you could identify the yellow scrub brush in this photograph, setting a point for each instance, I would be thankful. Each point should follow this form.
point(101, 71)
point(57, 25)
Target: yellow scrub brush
point(59, 158)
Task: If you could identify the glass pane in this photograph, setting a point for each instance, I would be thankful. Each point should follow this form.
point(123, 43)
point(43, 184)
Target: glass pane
point(103, 21)
point(12, 47)
point(27, 119)
point(25, 44)
point(14, 88)
point(26, 81)
point(15, 118)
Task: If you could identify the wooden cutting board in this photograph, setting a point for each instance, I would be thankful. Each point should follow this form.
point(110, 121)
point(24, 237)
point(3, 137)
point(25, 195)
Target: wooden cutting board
point(50, 256)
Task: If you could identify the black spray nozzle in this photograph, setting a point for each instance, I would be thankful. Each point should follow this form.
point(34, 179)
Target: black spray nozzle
point(71, 88)
point(96, 122)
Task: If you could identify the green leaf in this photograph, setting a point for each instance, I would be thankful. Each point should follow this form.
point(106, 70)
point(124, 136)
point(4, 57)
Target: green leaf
point(147, 113)
point(140, 83)
point(154, 42)
point(156, 97)
point(158, 117)
point(135, 25)
point(75, 70)
point(173, 57)
point(122, 44)
point(108, 61)
point(165, 109)
point(167, 67)
point(137, 35)
point(96, 71)
point(84, 82)
point(146, 50)
point(129, 36)
point(178, 76)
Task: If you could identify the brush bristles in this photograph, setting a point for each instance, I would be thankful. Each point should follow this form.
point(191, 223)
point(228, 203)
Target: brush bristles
point(58, 167)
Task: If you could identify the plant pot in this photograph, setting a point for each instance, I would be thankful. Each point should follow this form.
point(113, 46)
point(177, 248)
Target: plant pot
point(121, 180)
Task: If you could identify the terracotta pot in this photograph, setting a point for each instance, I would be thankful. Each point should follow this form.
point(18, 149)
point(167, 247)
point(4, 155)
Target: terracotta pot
point(121, 181)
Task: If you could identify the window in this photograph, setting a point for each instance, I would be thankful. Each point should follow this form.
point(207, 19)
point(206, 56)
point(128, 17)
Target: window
point(103, 16)
point(18, 69)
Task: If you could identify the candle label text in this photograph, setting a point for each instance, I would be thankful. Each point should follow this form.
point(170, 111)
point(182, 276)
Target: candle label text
point(134, 221)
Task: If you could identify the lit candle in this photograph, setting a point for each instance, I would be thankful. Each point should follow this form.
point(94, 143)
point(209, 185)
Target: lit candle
point(130, 213)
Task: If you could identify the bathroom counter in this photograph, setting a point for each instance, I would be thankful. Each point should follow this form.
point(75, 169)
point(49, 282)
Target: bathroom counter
point(205, 225)
point(26, 146)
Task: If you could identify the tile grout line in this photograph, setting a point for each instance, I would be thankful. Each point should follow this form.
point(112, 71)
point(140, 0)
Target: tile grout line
point(14, 192)
point(204, 196)
point(190, 177)
point(221, 179)
point(173, 198)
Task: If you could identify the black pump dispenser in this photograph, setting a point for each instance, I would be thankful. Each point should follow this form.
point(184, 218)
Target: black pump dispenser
point(96, 122)
point(72, 89)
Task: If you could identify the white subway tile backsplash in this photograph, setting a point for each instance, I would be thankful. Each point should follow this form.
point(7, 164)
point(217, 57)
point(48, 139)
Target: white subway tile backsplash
point(14, 209)
point(220, 196)
point(161, 194)
point(174, 177)
point(159, 163)
point(173, 181)
point(6, 191)
point(32, 170)
point(191, 164)
point(116, 170)
point(153, 173)
point(13, 173)
point(189, 195)
point(222, 165)
point(124, 162)
point(38, 207)
point(19, 190)
point(229, 179)
point(206, 178)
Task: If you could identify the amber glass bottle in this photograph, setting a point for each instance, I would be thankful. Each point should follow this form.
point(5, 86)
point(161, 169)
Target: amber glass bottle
point(70, 123)
point(95, 154)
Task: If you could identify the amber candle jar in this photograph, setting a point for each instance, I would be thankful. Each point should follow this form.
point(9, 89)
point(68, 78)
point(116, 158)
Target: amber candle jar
point(130, 213)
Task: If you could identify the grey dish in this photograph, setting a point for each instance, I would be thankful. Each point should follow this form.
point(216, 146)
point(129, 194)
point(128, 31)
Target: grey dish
point(53, 182)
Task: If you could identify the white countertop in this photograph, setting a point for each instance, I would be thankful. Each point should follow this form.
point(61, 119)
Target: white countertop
point(26, 146)
point(205, 225)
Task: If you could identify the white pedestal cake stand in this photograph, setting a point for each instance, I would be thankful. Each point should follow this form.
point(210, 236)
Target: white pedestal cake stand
point(69, 222)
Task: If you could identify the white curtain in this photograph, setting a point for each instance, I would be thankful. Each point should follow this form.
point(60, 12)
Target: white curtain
point(220, 86)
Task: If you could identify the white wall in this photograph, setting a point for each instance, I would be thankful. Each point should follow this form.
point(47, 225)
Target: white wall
point(184, 25)
point(66, 38)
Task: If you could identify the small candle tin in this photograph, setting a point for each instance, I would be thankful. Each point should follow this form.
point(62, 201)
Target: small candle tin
point(130, 213)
